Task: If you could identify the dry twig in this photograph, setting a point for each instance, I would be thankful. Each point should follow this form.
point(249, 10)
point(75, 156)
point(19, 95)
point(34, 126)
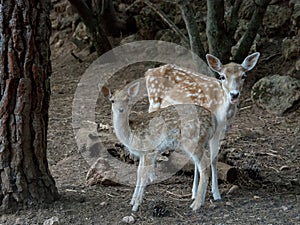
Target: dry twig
point(179, 196)
point(246, 107)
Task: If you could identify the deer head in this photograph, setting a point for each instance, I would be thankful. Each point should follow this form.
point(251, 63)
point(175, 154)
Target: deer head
point(120, 99)
point(232, 75)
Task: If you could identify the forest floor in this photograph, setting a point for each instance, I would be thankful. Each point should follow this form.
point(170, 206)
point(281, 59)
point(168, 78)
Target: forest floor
point(263, 147)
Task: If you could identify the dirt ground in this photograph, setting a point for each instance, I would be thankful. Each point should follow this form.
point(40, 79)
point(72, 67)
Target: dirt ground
point(264, 148)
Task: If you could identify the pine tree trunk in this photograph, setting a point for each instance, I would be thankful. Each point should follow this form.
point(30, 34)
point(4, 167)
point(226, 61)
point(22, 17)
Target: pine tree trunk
point(219, 42)
point(25, 69)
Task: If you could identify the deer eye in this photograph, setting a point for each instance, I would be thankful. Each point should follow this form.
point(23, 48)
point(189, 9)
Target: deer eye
point(244, 76)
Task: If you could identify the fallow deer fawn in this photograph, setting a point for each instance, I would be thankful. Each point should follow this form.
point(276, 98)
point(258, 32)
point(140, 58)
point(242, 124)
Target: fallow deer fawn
point(170, 85)
point(189, 131)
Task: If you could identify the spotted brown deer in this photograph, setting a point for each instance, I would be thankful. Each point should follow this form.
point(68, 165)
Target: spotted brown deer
point(170, 85)
point(189, 131)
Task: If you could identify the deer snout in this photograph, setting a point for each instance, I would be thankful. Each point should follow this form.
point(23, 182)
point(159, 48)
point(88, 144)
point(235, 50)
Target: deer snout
point(234, 96)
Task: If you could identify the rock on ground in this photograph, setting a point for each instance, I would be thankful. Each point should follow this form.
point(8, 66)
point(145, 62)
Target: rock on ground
point(52, 221)
point(276, 94)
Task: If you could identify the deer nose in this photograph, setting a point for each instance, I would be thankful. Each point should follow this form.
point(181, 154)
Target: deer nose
point(234, 95)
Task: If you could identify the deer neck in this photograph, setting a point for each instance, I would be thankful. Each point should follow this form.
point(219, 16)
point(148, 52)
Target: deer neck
point(122, 128)
point(222, 110)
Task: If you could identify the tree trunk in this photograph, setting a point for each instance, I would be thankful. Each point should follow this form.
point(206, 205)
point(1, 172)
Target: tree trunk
point(25, 69)
point(99, 37)
point(233, 22)
point(192, 28)
point(102, 20)
point(114, 23)
point(251, 32)
point(219, 42)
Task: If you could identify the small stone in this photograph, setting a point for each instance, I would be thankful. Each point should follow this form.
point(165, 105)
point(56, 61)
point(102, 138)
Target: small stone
point(229, 204)
point(295, 182)
point(103, 126)
point(59, 43)
point(290, 47)
point(19, 221)
point(256, 197)
point(297, 64)
point(162, 158)
point(52, 221)
point(103, 203)
point(128, 219)
point(101, 172)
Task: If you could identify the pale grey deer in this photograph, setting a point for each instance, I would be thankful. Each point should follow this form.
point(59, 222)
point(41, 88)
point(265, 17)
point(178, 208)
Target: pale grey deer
point(185, 127)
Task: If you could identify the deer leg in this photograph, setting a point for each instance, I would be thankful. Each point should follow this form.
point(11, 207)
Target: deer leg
point(138, 182)
point(214, 144)
point(145, 175)
point(196, 182)
point(203, 168)
point(215, 188)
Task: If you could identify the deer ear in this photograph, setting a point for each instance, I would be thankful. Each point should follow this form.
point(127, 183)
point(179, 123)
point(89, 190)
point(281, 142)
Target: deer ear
point(250, 61)
point(105, 91)
point(133, 89)
point(214, 63)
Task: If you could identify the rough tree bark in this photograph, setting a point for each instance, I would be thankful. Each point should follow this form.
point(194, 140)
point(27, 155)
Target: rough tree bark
point(233, 22)
point(25, 68)
point(192, 28)
point(220, 33)
point(219, 41)
point(253, 26)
